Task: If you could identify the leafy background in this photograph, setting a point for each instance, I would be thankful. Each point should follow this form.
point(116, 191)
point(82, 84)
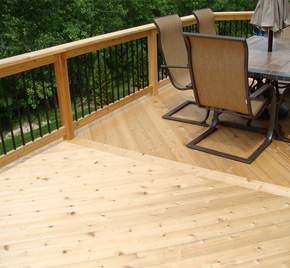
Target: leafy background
point(29, 25)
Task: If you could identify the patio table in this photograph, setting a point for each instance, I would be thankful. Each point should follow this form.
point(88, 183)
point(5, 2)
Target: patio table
point(273, 65)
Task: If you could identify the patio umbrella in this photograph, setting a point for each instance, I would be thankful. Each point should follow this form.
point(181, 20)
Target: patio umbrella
point(271, 16)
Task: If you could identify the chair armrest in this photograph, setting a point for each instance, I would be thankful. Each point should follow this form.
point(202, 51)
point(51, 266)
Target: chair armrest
point(174, 66)
point(261, 90)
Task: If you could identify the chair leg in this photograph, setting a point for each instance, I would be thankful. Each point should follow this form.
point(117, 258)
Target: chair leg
point(253, 156)
point(278, 127)
point(170, 116)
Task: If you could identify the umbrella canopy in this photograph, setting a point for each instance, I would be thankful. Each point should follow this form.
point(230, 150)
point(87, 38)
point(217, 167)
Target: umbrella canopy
point(272, 15)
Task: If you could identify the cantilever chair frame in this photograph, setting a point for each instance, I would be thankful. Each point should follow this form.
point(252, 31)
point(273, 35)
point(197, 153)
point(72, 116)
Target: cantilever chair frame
point(218, 110)
point(280, 134)
point(170, 114)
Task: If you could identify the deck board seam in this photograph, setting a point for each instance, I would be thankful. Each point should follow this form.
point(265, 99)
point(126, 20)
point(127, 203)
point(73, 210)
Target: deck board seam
point(186, 168)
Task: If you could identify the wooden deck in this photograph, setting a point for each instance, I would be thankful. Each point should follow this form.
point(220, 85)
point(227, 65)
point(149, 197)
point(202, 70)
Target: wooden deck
point(139, 127)
point(87, 203)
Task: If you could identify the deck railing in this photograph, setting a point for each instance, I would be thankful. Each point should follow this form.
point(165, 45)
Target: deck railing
point(48, 94)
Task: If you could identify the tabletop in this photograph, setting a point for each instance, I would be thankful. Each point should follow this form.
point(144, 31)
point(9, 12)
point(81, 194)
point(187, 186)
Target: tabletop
point(273, 65)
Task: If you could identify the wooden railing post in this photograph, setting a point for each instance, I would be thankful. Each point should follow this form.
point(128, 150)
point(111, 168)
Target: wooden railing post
point(63, 93)
point(153, 61)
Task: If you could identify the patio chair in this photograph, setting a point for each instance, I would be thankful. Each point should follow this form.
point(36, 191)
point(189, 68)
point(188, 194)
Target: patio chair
point(219, 75)
point(205, 21)
point(174, 54)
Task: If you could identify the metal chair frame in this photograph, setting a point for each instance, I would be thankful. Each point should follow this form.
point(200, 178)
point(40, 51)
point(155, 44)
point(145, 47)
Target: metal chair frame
point(170, 114)
point(266, 88)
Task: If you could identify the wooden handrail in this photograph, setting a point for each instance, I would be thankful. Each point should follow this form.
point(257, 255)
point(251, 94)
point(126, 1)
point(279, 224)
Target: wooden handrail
point(58, 56)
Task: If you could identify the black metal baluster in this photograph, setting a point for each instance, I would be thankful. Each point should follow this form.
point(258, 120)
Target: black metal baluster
point(112, 76)
point(123, 77)
point(146, 62)
point(100, 78)
point(236, 28)
point(225, 28)
point(158, 60)
point(142, 62)
point(137, 60)
point(133, 69)
point(80, 87)
point(128, 68)
point(106, 78)
point(117, 72)
point(36, 102)
point(8, 114)
point(45, 100)
point(18, 110)
point(73, 91)
point(27, 106)
point(247, 29)
point(54, 99)
point(87, 84)
point(72, 85)
point(2, 140)
point(93, 79)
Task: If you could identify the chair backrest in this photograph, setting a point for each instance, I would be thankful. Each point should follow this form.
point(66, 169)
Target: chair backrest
point(173, 48)
point(205, 21)
point(219, 71)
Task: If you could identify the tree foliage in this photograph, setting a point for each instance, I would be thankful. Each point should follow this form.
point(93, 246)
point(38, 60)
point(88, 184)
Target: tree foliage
point(28, 25)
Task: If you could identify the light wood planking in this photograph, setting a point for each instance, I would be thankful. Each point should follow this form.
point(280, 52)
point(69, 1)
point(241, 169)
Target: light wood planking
point(148, 133)
point(86, 204)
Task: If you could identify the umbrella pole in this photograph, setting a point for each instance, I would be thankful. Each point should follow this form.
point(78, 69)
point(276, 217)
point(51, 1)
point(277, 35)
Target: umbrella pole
point(270, 40)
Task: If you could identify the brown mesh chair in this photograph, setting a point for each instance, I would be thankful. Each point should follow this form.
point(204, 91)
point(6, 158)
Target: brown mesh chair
point(174, 54)
point(219, 76)
point(205, 21)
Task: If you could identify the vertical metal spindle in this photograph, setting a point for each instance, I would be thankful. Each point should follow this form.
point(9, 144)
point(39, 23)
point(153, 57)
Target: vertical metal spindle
point(122, 63)
point(242, 25)
point(236, 30)
point(132, 57)
point(54, 99)
point(2, 140)
point(117, 72)
point(142, 62)
point(137, 56)
point(128, 68)
point(158, 59)
point(100, 78)
point(106, 78)
point(225, 28)
point(36, 102)
point(247, 29)
point(18, 110)
point(112, 76)
point(87, 84)
point(73, 90)
point(146, 62)
point(80, 86)
point(93, 79)
point(27, 106)
point(8, 114)
point(45, 100)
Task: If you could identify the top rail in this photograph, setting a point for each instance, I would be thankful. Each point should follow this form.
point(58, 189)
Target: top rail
point(30, 60)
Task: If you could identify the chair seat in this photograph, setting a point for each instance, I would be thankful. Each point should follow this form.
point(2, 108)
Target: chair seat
point(257, 105)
